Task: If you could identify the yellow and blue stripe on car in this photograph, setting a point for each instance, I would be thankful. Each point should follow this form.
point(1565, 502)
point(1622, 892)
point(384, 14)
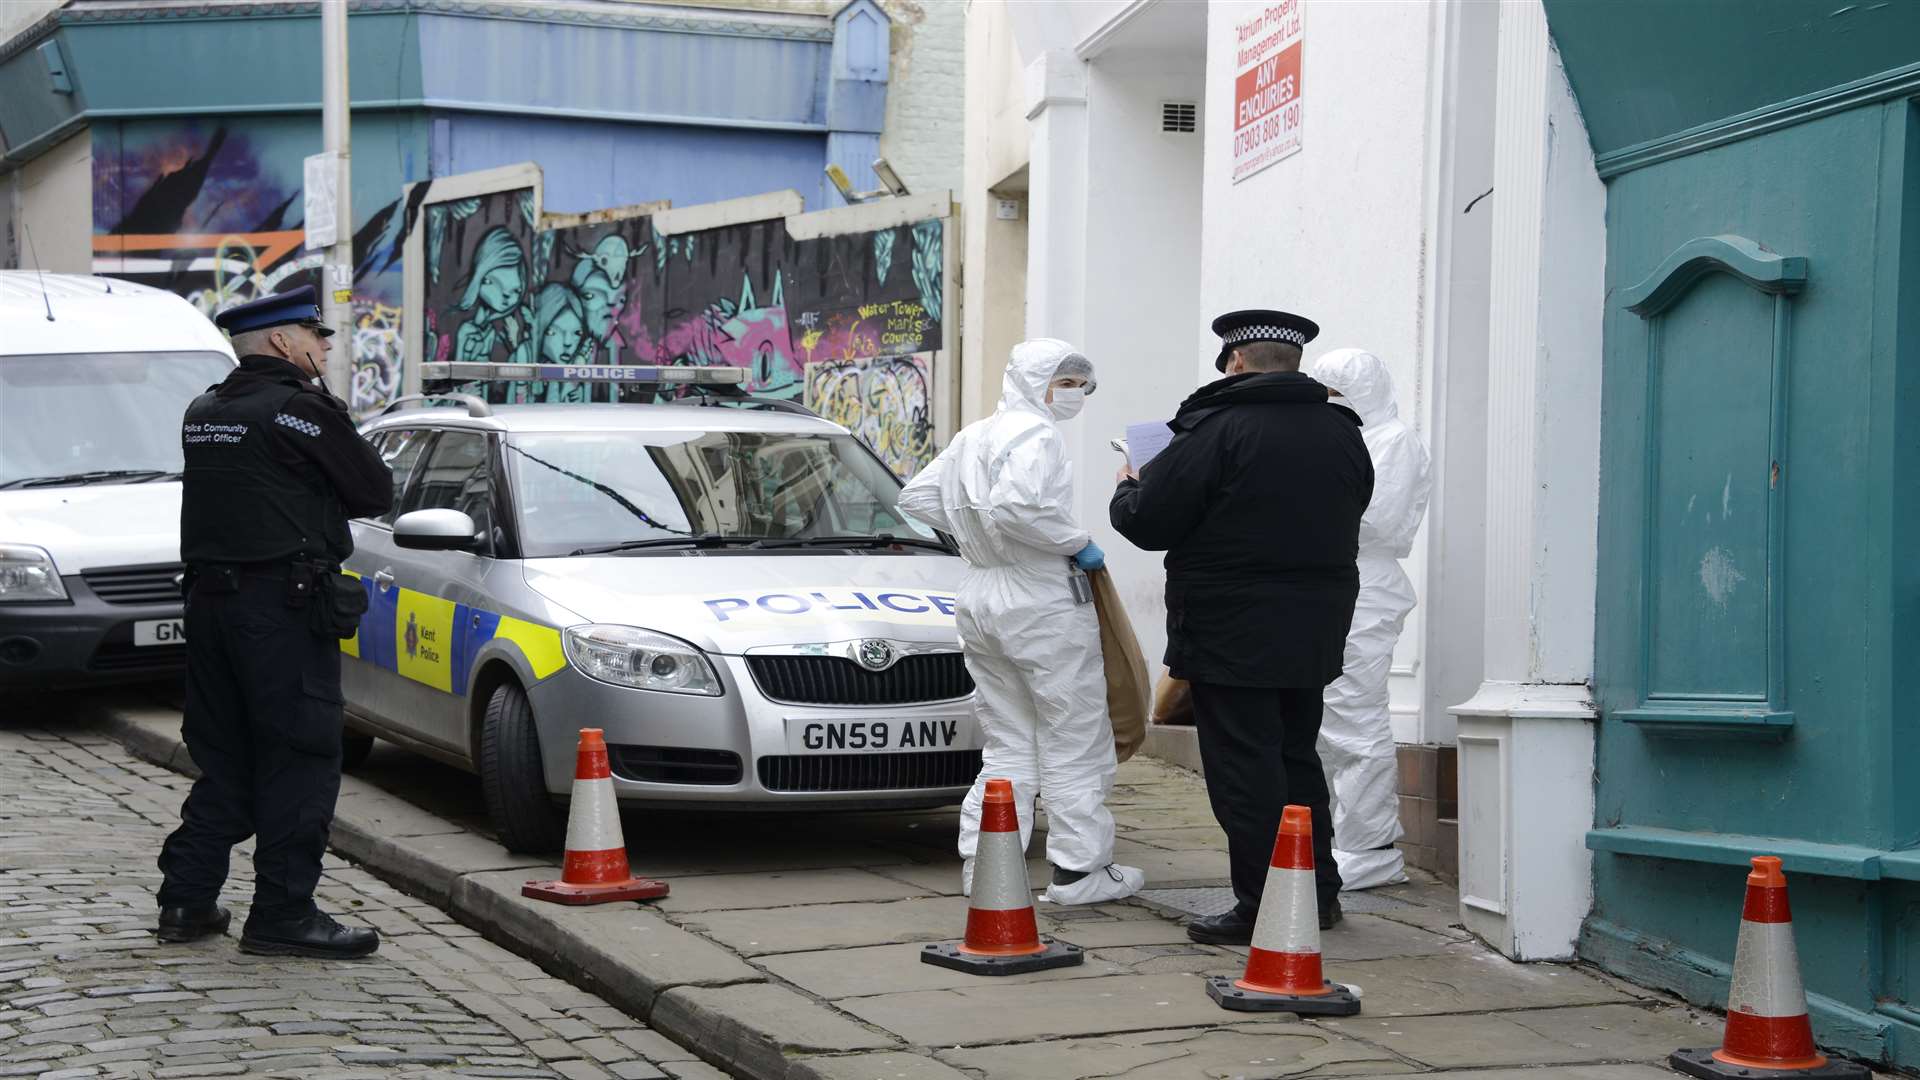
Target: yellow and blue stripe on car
point(434, 641)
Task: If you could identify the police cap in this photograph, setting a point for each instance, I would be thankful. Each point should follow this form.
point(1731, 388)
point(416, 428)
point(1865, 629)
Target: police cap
point(299, 305)
point(1260, 324)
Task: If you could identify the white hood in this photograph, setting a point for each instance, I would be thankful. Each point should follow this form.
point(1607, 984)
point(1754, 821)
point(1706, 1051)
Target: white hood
point(1401, 482)
point(97, 525)
point(1363, 381)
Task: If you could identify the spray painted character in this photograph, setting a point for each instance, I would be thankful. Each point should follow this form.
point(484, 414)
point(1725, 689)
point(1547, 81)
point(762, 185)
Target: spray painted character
point(601, 298)
point(559, 325)
point(492, 293)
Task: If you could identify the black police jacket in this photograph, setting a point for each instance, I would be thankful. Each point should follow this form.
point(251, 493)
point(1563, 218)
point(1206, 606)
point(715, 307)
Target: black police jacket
point(274, 470)
point(1257, 503)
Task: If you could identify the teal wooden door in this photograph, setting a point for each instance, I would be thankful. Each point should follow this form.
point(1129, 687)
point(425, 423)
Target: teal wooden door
point(1756, 610)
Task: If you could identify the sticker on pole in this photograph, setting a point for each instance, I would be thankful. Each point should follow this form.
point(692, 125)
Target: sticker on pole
point(322, 201)
point(1266, 88)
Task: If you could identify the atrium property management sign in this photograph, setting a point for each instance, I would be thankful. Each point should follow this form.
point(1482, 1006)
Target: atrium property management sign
point(1266, 88)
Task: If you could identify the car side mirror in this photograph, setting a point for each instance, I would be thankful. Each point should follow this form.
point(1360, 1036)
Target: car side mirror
point(435, 530)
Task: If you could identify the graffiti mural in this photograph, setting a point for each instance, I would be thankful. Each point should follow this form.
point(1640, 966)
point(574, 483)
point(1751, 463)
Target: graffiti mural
point(846, 320)
point(887, 401)
point(213, 212)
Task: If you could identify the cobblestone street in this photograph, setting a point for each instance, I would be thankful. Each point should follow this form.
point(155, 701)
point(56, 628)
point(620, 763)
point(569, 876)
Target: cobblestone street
point(86, 991)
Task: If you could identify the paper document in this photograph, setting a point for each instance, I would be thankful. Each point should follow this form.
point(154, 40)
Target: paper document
point(1145, 441)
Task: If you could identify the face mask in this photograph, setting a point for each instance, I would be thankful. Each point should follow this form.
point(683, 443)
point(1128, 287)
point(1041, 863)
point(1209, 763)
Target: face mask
point(1067, 402)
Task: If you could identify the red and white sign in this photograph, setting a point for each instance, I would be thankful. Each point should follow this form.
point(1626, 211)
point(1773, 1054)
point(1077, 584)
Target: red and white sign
point(1266, 88)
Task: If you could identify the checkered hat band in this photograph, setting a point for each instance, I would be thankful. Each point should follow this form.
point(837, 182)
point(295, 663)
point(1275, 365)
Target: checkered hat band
point(1264, 333)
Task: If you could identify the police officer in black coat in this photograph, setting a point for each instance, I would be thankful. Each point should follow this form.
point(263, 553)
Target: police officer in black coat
point(274, 468)
point(1257, 503)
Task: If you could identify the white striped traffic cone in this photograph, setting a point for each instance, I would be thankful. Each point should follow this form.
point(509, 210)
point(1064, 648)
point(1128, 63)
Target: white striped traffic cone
point(1283, 966)
point(1002, 937)
point(1768, 1032)
point(595, 870)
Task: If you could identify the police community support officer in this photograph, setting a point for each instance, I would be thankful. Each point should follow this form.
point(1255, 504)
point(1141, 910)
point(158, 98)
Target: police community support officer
point(1257, 503)
point(274, 468)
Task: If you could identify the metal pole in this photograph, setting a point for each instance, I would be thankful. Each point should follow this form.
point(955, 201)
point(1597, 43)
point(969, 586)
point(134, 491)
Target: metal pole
point(337, 271)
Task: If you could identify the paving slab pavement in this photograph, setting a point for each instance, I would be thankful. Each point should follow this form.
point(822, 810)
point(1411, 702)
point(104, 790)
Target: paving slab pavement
point(788, 950)
point(86, 990)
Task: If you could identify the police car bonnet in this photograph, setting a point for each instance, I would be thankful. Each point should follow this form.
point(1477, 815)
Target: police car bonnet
point(299, 305)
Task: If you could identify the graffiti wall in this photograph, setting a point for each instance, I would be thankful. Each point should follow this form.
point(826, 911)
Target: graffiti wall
point(213, 211)
point(846, 324)
point(886, 400)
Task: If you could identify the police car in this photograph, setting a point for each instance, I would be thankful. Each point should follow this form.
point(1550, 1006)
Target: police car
point(731, 593)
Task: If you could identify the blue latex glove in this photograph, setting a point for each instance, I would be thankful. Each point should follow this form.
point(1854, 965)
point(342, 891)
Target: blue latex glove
point(1090, 557)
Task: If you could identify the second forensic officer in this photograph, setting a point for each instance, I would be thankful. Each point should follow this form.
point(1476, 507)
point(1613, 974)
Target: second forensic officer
point(1257, 502)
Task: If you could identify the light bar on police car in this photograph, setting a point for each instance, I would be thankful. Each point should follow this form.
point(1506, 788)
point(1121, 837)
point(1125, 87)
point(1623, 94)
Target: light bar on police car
point(469, 371)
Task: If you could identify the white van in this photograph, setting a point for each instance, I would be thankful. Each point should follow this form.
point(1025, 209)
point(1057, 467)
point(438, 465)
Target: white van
point(94, 376)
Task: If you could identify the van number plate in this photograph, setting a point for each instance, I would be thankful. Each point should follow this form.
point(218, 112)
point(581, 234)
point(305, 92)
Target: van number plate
point(160, 632)
point(870, 736)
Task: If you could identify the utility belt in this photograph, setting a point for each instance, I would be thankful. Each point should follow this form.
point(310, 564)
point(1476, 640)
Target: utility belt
point(334, 601)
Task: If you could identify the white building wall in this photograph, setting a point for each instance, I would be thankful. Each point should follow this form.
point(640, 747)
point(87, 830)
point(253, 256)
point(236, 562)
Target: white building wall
point(1338, 232)
point(18, 15)
point(1526, 737)
point(994, 271)
point(52, 208)
point(926, 102)
point(1142, 251)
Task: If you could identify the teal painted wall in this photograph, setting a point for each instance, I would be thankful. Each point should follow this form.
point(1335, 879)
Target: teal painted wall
point(1644, 69)
point(1701, 607)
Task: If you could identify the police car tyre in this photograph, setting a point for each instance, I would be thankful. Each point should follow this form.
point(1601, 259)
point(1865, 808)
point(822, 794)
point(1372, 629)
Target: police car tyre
point(512, 776)
point(354, 748)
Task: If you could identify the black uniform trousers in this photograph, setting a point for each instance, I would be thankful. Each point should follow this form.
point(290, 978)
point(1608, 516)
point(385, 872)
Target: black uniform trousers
point(1258, 746)
point(263, 723)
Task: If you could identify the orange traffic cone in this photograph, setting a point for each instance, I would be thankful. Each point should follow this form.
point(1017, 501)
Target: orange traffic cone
point(1002, 938)
point(595, 870)
point(1768, 1033)
point(1283, 967)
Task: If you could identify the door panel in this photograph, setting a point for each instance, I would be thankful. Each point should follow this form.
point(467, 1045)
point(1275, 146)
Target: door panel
point(1712, 373)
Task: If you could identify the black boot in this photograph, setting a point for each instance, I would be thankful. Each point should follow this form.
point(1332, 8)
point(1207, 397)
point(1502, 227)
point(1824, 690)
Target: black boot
point(310, 935)
point(1330, 914)
point(1231, 928)
point(180, 923)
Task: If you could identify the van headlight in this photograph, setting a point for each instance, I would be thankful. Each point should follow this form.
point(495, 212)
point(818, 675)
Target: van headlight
point(27, 573)
point(630, 656)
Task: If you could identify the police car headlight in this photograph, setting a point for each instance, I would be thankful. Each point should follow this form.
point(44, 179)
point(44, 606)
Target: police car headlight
point(27, 573)
point(630, 656)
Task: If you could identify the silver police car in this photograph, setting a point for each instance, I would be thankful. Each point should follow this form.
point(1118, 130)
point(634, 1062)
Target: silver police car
point(730, 593)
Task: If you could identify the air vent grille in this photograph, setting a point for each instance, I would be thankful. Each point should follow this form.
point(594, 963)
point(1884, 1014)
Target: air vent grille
point(1179, 117)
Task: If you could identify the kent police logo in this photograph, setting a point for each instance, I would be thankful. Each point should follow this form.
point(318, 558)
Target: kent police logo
point(413, 635)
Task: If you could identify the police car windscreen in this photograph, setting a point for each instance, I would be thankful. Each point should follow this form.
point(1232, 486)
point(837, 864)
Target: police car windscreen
point(577, 490)
point(89, 417)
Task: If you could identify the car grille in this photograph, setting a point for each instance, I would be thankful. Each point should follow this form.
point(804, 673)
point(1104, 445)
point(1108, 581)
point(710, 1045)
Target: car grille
point(126, 656)
point(870, 772)
point(152, 584)
point(674, 765)
point(834, 680)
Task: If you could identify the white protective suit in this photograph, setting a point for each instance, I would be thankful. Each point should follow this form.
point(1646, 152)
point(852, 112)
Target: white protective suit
point(1356, 733)
point(1004, 490)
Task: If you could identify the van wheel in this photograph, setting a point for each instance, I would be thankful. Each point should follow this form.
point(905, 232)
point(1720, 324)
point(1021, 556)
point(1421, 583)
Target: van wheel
point(354, 748)
point(512, 777)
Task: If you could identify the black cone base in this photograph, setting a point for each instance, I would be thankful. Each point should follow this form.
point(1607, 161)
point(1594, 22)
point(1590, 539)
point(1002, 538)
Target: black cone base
point(1701, 1063)
point(1342, 1002)
point(1058, 954)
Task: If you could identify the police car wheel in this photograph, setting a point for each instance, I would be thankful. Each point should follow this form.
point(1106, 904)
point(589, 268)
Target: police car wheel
point(513, 778)
point(354, 748)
